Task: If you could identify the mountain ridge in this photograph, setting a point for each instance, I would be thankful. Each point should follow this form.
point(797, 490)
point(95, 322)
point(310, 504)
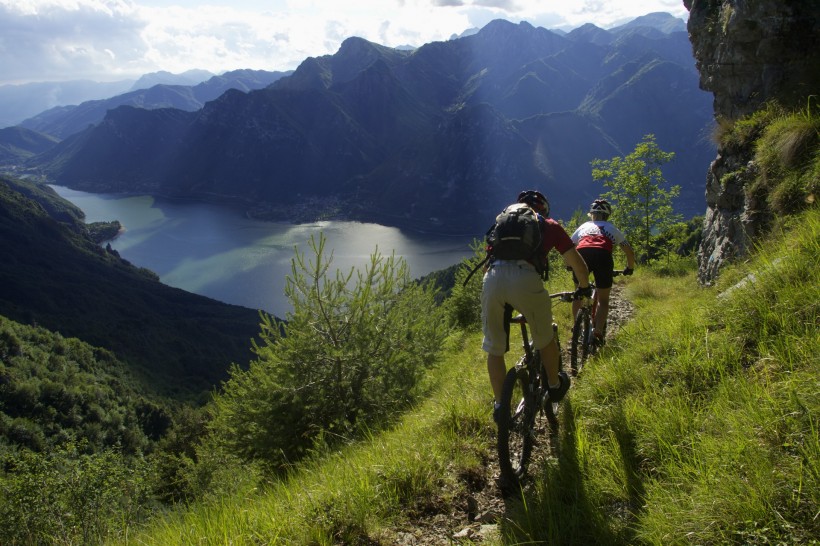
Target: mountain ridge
point(63, 121)
point(341, 123)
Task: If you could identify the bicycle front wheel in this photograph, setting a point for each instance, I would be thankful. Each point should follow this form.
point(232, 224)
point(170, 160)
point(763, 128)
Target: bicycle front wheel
point(515, 436)
point(581, 332)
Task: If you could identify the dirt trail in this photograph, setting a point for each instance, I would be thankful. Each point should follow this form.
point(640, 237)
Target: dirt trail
point(475, 518)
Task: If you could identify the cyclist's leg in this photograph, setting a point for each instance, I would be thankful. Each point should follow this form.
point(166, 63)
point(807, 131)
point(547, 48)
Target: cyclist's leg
point(602, 295)
point(558, 381)
point(576, 304)
point(496, 339)
point(497, 369)
point(549, 360)
point(601, 264)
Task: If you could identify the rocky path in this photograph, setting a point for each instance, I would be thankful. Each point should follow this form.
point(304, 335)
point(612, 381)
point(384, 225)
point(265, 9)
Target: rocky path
point(475, 518)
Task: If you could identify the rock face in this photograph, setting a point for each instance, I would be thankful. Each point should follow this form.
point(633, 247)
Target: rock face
point(748, 52)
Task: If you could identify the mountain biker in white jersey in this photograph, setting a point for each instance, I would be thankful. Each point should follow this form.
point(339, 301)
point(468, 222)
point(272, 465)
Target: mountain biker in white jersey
point(595, 241)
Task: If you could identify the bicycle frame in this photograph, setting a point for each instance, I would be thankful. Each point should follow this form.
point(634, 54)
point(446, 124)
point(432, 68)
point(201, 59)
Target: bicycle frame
point(584, 342)
point(524, 395)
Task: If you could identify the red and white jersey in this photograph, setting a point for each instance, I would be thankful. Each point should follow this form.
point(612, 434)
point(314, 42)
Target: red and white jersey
point(597, 234)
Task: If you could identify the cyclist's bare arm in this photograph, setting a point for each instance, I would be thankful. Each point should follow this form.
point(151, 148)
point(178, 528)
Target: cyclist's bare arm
point(630, 255)
point(578, 265)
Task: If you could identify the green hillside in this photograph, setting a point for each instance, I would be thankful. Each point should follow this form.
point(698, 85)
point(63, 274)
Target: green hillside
point(55, 275)
point(697, 425)
point(55, 390)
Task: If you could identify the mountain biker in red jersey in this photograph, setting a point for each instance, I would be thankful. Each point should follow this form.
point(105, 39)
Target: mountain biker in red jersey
point(595, 241)
point(517, 283)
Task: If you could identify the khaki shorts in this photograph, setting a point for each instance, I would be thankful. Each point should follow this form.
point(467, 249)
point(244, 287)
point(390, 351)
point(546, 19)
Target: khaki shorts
point(516, 283)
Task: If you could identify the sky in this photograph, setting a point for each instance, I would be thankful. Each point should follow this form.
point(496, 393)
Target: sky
point(111, 40)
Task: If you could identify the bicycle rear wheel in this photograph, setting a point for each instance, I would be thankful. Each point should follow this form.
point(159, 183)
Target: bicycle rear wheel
point(581, 332)
point(515, 437)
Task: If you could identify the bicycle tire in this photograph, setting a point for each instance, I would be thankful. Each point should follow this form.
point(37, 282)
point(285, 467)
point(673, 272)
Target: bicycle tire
point(515, 438)
point(579, 348)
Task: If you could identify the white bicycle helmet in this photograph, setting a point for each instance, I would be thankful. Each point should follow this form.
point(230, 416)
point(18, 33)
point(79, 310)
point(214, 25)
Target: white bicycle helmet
point(601, 206)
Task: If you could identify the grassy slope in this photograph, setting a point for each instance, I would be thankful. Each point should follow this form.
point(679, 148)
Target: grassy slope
point(698, 425)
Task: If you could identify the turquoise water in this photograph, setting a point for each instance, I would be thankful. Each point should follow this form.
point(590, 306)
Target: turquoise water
point(217, 252)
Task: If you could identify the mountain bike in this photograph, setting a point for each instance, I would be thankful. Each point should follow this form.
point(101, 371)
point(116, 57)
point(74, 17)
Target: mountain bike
point(584, 342)
point(523, 397)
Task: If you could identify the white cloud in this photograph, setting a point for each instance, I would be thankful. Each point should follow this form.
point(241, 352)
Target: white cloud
point(49, 40)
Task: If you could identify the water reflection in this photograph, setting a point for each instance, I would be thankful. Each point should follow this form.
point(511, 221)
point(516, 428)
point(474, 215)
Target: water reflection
point(217, 252)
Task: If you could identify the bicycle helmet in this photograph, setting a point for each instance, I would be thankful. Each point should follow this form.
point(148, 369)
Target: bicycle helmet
point(601, 206)
point(536, 200)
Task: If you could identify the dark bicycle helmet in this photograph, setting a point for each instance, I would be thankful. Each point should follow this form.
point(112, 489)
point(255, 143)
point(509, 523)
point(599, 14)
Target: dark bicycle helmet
point(536, 200)
point(601, 206)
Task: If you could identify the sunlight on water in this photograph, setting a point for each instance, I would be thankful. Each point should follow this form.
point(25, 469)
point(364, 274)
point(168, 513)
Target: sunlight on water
point(217, 252)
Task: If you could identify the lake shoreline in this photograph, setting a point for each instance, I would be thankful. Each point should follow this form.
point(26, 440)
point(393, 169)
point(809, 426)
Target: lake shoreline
point(311, 210)
point(221, 252)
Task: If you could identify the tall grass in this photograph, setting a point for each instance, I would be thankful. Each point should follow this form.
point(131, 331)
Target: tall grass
point(697, 424)
point(425, 465)
point(701, 428)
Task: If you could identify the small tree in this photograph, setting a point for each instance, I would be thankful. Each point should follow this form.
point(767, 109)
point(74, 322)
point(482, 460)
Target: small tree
point(348, 357)
point(642, 205)
point(578, 218)
point(463, 307)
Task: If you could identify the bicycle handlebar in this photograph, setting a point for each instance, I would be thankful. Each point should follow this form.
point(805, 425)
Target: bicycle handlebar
point(565, 296)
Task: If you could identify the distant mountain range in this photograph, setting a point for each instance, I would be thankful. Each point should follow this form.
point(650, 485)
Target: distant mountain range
point(64, 121)
point(21, 101)
point(437, 138)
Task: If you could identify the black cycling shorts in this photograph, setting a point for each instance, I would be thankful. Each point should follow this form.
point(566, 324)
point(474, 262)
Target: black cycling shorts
point(600, 264)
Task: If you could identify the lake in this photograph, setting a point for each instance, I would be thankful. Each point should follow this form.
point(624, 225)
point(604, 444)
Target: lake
point(217, 252)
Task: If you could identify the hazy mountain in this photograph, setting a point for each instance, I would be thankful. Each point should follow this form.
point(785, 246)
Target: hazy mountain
point(54, 275)
point(18, 102)
point(188, 78)
point(440, 137)
point(18, 143)
point(64, 121)
point(660, 21)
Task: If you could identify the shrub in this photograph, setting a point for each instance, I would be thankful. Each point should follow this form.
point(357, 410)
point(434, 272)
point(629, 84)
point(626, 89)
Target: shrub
point(69, 498)
point(463, 307)
point(348, 357)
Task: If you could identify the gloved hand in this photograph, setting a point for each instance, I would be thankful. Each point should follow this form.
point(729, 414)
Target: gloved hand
point(584, 292)
point(628, 271)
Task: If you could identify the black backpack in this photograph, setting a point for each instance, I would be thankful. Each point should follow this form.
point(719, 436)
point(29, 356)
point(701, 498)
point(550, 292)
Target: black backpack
point(515, 235)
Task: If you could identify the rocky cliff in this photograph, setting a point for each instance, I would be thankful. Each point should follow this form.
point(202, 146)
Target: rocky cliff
point(748, 52)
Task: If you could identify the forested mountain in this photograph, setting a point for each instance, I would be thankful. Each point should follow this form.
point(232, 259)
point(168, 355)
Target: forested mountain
point(17, 143)
point(54, 275)
point(438, 138)
point(64, 121)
